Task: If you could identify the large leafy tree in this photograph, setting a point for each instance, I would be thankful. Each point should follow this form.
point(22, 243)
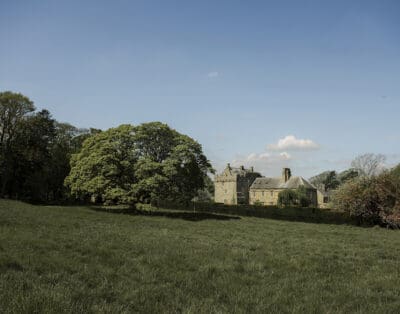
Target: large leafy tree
point(128, 164)
point(104, 167)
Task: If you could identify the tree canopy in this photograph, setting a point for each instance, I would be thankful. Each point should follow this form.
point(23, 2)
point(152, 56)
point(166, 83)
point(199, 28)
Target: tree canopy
point(144, 163)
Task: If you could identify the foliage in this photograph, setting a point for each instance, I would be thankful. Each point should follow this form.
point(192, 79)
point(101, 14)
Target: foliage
point(396, 172)
point(14, 109)
point(144, 164)
point(287, 198)
point(347, 175)
point(206, 194)
point(303, 196)
point(369, 199)
point(35, 151)
point(326, 181)
point(104, 167)
point(298, 197)
point(258, 203)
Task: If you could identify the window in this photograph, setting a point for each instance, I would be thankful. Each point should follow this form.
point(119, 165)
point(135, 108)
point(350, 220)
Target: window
point(272, 193)
point(262, 193)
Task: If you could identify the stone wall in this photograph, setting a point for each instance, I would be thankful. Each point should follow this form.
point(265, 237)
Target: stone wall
point(226, 190)
point(233, 184)
point(269, 197)
point(265, 197)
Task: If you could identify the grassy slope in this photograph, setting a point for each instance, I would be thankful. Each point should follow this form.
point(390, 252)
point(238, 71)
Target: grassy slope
point(73, 259)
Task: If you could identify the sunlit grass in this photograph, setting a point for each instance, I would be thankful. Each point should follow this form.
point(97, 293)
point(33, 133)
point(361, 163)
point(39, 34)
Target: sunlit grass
point(76, 259)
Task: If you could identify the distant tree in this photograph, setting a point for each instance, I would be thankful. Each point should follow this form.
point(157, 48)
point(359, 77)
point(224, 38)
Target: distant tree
point(347, 175)
point(326, 181)
point(368, 165)
point(14, 109)
point(32, 157)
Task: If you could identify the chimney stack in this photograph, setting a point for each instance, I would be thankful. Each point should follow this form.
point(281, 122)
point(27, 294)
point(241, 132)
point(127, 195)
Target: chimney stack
point(252, 169)
point(286, 174)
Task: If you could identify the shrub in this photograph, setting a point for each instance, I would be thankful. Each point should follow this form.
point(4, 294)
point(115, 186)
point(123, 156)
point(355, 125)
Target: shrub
point(287, 198)
point(258, 203)
point(369, 199)
point(303, 196)
point(299, 197)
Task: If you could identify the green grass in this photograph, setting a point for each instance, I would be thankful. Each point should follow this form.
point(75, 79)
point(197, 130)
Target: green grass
point(75, 259)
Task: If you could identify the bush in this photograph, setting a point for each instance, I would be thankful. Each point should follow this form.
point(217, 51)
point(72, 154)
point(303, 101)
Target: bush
point(303, 196)
point(299, 197)
point(287, 198)
point(370, 200)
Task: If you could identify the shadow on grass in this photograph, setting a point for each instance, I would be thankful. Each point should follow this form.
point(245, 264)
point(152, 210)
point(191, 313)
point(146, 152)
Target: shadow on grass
point(304, 215)
point(185, 215)
point(292, 214)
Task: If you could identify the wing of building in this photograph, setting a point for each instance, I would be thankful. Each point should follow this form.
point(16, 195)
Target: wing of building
point(265, 191)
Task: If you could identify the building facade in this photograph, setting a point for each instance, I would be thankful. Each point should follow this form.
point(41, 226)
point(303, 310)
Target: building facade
point(245, 186)
point(233, 184)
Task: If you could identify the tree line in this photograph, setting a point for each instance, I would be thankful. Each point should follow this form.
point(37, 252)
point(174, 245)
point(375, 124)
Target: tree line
point(44, 160)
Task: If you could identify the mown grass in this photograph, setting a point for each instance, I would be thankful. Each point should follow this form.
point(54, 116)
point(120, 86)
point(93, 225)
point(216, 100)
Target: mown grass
point(76, 259)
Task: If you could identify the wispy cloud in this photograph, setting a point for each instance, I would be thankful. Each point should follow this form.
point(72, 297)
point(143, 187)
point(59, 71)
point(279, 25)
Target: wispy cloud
point(213, 74)
point(290, 142)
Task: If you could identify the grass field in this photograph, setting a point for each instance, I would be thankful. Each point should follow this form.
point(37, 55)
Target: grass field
point(76, 259)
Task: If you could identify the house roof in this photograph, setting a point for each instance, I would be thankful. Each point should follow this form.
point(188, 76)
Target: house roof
point(279, 183)
point(240, 171)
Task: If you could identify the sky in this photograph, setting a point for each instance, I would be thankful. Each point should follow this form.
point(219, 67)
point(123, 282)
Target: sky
point(302, 84)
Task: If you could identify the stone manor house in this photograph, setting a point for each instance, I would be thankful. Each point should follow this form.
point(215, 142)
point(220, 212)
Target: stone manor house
point(245, 186)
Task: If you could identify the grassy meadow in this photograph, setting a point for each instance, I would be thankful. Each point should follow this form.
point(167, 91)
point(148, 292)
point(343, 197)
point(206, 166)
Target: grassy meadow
point(57, 259)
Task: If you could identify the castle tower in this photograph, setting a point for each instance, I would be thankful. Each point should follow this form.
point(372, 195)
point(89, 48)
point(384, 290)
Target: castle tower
point(232, 186)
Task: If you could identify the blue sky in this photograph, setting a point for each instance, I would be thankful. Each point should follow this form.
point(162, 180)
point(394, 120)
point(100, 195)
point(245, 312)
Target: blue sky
point(305, 84)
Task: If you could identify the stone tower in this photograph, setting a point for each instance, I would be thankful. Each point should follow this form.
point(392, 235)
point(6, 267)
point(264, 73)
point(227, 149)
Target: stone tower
point(233, 184)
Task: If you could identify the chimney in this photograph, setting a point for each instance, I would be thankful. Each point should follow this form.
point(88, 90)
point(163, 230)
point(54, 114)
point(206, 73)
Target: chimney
point(252, 169)
point(286, 174)
point(241, 167)
point(229, 166)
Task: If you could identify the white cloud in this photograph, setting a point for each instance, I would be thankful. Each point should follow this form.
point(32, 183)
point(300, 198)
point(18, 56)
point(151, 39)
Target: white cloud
point(263, 162)
point(290, 142)
point(285, 155)
point(213, 74)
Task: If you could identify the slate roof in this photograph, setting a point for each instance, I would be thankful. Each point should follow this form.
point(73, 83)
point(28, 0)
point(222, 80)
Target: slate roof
point(278, 183)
